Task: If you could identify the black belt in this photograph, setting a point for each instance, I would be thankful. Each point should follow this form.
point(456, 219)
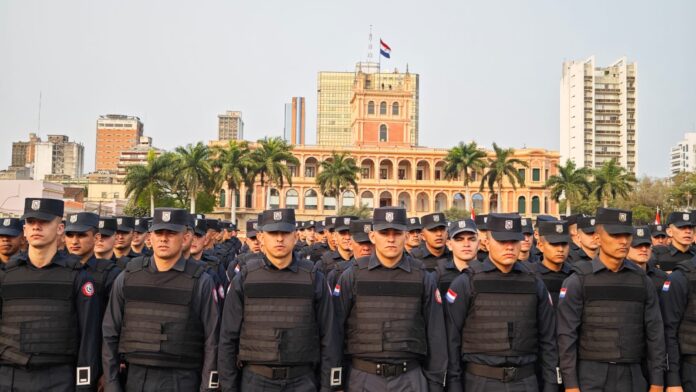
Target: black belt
point(689, 359)
point(504, 374)
point(280, 372)
point(385, 369)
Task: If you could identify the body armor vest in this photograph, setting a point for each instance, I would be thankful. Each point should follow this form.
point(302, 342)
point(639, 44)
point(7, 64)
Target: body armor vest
point(553, 281)
point(612, 318)
point(160, 327)
point(280, 325)
point(445, 276)
point(687, 328)
point(387, 320)
point(502, 319)
point(39, 325)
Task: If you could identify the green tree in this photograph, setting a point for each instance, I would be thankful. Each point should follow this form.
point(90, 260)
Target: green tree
point(338, 174)
point(150, 179)
point(233, 166)
point(193, 170)
point(464, 160)
point(455, 214)
point(683, 190)
point(611, 181)
point(270, 162)
point(503, 166)
point(362, 212)
point(570, 183)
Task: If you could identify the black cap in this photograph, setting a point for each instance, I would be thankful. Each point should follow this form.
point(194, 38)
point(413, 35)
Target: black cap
point(505, 227)
point(310, 224)
point(545, 218)
point(107, 226)
point(229, 226)
point(199, 224)
point(11, 227)
point(657, 230)
point(81, 222)
point(641, 236)
point(343, 222)
point(389, 218)
point(414, 223)
point(329, 222)
point(481, 221)
point(680, 219)
point(586, 224)
point(125, 223)
point(554, 232)
point(360, 230)
point(279, 219)
point(461, 226)
point(431, 221)
point(300, 225)
point(43, 209)
point(319, 227)
point(172, 219)
point(573, 219)
point(615, 221)
point(140, 225)
point(252, 227)
point(526, 224)
point(213, 224)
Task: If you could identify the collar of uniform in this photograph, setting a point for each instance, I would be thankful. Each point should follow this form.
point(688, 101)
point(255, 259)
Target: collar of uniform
point(673, 250)
point(292, 267)
point(450, 264)
point(404, 263)
point(426, 251)
point(489, 266)
point(92, 261)
point(544, 269)
point(57, 259)
point(597, 265)
point(179, 266)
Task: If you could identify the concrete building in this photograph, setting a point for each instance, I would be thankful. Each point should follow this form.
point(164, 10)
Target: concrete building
point(13, 193)
point(23, 152)
point(115, 133)
point(230, 126)
point(336, 91)
point(135, 156)
point(683, 155)
point(58, 156)
point(598, 119)
point(294, 130)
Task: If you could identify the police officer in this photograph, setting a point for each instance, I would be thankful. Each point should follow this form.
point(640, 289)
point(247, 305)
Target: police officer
point(609, 317)
point(329, 223)
point(49, 306)
point(553, 243)
point(140, 234)
point(80, 238)
point(213, 266)
point(463, 244)
point(641, 254)
point(162, 317)
point(278, 329)
point(434, 246)
point(362, 247)
point(320, 246)
point(310, 232)
point(481, 221)
point(254, 245)
point(586, 240)
point(391, 312)
point(123, 239)
point(658, 235)
point(527, 243)
point(10, 239)
point(413, 237)
point(105, 239)
point(344, 247)
point(501, 321)
point(681, 231)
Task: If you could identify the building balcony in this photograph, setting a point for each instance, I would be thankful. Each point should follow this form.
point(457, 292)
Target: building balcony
point(608, 122)
point(607, 100)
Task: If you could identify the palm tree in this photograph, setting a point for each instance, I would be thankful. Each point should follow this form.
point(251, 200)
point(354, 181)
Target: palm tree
point(270, 161)
point(610, 181)
point(193, 170)
point(464, 159)
point(570, 183)
point(502, 167)
point(148, 179)
point(338, 174)
point(232, 165)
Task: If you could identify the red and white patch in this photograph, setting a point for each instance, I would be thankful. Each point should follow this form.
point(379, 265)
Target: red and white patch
point(221, 292)
point(88, 289)
point(438, 297)
point(215, 296)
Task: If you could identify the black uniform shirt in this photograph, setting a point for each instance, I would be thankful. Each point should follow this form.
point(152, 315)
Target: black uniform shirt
point(459, 298)
point(435, 365)
point(576, 255)
point(674, 298)
point(569, 313)
point(429, 260)
point(204, 302)
point(667, 257)
point(542, 270)
point(233, 317)
point(106, 283)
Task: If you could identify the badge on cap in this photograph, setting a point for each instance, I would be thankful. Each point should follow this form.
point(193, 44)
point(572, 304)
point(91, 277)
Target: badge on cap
point(35, 205)
point(559, 229)
point(255, 225)
point(166, 216)
point(333, 220)
point(346, 221)
point(413, 221)
point(119, 221)
point(73, 218)
point(640, 232)
point(366, 228)
point(485, 219)
point(622, 217)
point(389, 216)
point(508, 225)
point(101, 224)
point(6, 222)
point(685, 217)
point(277, 215)
point(462, 224)
point(523, 222)
point(592, 221)
point(436, 218)
point(137, 221)
point(659, 227)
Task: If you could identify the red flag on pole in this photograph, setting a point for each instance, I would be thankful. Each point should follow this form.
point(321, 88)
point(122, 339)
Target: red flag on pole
point(473, 215)
point(657, 216)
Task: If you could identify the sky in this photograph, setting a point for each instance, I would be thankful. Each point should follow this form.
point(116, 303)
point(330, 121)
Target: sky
point(489, 70)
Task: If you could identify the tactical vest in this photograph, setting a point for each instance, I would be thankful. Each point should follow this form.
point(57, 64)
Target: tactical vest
point(553, 281)
point(445, 276)
point(387, 320)
point(38, 325)
point(100, 273)
point(280, 325)
point(612, 318)
point(687, 328)
point(160, 327)
point(502, 318)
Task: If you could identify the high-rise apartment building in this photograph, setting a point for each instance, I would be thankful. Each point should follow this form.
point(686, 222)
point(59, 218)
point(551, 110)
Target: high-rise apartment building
point(115, 133)
point(230, 126)
point(294, 131)
point(683, 155)
point(598, 120)
point(136, 156)
point(58, 156)
point(23, 152)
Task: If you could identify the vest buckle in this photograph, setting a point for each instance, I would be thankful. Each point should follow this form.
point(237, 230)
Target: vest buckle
point(280, 373)
point(509, 374)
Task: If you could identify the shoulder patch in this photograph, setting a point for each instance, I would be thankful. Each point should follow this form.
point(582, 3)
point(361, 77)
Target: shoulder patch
point(438, 297)
point(562, 293)
point(451, 296)
point(88, 289)
point(337, 290)
point(665, 286)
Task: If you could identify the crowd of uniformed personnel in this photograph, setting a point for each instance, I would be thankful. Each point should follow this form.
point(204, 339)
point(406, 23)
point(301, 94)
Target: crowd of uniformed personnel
point(177, 302)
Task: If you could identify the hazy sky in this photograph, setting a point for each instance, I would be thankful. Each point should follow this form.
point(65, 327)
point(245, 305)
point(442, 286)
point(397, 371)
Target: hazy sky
point(490, 70)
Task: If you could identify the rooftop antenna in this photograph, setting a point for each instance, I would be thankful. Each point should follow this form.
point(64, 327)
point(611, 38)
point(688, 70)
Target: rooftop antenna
point(369, 47)
point(38, 128)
